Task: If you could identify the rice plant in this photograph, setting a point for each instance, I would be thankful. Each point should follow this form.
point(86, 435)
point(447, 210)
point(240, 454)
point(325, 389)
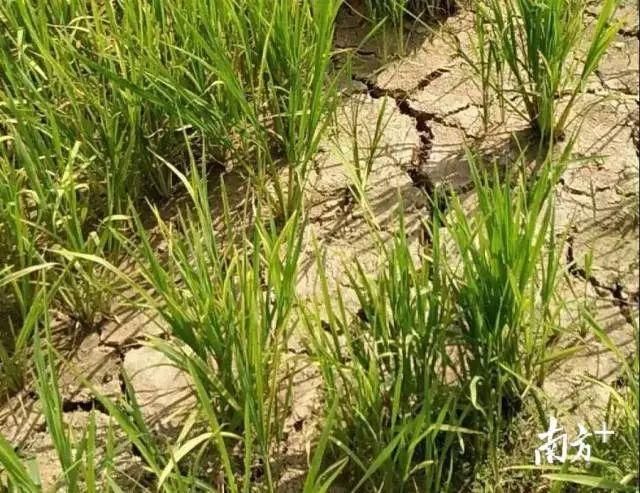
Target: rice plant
point(16, 476)
point(81, 467)
point(112, 86)
point(229, 309)
point(395, 10)
point(95, 96)
point(535, 49)
point(16, 330)
point(504, 264)
point(385, 370)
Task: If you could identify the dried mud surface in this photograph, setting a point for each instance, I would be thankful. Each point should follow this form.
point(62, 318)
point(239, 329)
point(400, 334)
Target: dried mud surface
point(432, 109)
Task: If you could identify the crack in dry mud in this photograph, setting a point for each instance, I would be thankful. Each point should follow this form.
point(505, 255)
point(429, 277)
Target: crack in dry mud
point(589, 90)
point(438, 196)
point(622, 298)
point(420, 179)
point(85, 405)
point(421, 117)
point(629, 33)
point(625, 91)
point(576, 191)
point(635, 134)
point(430, 77)
point(633, 32)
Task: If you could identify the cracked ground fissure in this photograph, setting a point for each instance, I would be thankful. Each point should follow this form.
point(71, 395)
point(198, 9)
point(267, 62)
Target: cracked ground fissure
point(622, 298)
point(418, 176)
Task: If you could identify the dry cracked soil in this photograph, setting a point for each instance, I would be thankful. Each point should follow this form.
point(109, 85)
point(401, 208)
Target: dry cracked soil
point(431, 109)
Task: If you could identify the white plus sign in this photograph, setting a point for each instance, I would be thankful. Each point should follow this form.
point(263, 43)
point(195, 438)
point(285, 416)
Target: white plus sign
point(604, 433)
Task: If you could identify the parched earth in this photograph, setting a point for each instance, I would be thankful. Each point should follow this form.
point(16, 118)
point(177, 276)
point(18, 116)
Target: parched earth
point(431, 109)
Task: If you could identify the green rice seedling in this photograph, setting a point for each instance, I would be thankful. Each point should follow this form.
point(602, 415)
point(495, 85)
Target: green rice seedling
point(15, 342)
point(431, 9)
point(294, 78)
point(388, 20)
point(76, 454)
point(504, 264)
point(53, 195)
point(198, 444)
point(395, 10)
point(534, 44)
point(160, 462)
point(484, 63)
point(15, 475)
point(95, 96)
point(252, 77)
point(118, 80)
point(301, 98)
point(317, 480)
point(398, 417)
point(229, 310)
point(45, 209)
point(51, 400)
point(363, 165)
point(16, 331)
point(613, 463)
point(87, 461)
point(17, 238)
point(37, 209)
point(55, 101)
point(363, 148)
point(122, 81)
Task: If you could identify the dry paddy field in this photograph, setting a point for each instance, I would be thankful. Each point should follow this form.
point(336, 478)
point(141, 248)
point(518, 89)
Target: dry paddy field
point(319, 245)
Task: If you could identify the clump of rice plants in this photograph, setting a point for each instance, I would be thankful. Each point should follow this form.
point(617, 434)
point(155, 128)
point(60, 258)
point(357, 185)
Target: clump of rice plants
point(118, 81)
point(394, 18)
point(393, 10)
point(101, 93)
point(84, 465)
point(94, 97)
point(385, 370)
point(531, 49)
point(229, 309)
point(15, 344)
point(446, 344)
point(504, 264)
